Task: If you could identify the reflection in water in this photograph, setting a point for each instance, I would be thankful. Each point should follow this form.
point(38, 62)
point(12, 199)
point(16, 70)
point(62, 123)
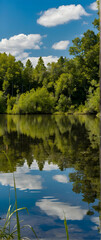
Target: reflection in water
point(23, 181)
point(61, 178)
point(49, 143)
point(53, 207)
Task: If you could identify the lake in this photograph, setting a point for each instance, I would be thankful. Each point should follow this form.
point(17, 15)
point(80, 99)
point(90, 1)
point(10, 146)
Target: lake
point(55, 160)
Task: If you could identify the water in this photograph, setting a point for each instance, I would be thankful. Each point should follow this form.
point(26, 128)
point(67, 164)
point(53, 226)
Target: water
point(55, 160)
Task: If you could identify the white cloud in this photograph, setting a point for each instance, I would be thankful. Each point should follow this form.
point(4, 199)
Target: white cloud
point(62, 45)
point(54, 208)
point(96, 220)
point(61, 178)
point(34, 166)
point(23, 181)
point(47, 167)
point(63, 14)
point(22, 56)
point(93, 6)
point(17, 44)
point(48, 59)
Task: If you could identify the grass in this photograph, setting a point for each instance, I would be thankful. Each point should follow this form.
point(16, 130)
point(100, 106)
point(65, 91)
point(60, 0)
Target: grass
point(66, 228)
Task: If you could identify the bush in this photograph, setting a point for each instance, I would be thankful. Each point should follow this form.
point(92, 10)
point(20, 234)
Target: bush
point(93, 101)
point(10, 103)
point(39, 101)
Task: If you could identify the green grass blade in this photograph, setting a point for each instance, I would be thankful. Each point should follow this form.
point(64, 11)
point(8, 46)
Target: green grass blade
point(17, 210)
point(31, 229)
point(7, 218)
point(10, 213)
point(17, 216)
point(66, 228)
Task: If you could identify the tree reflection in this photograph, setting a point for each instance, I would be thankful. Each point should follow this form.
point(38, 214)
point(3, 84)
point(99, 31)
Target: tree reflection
point(71, 141)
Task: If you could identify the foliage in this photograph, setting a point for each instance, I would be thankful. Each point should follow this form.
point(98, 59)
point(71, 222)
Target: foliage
point(62, 86)
point(39, 101)
point(10, 102)
point(93, 100)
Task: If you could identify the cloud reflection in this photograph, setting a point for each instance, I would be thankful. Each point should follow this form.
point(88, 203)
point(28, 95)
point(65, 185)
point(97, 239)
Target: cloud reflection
point(53, 207)
point(47, 166)
point(61, 178)
point(23, 180)
point(96, 221)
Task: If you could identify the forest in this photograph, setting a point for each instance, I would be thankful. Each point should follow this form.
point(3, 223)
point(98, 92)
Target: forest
point(67, 86)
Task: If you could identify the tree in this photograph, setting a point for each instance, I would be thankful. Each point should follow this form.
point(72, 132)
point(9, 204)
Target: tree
point(12, 77)
point(27, 77)
point(39, 73)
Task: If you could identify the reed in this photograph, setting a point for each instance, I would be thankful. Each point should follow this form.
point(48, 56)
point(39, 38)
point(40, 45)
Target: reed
point(66, 228)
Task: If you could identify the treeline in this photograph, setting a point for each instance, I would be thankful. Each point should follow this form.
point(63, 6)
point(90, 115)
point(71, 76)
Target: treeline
point(70, 85)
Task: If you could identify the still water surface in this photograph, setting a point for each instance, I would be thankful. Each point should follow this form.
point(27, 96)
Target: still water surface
point(55, 160)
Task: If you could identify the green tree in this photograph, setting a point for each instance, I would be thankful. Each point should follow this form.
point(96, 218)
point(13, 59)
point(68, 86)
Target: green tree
point(39, 73)
point(27, 82)
point(12, 77)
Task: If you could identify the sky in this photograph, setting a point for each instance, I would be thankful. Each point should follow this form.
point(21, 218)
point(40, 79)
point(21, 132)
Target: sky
point(33, 28)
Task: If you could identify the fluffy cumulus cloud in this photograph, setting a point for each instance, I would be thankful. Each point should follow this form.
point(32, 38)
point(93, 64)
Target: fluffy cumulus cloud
point(23, 180)
point(62, 45)
point(93, 6)
point(52, 207)
point(48, 59)
point(63, 14)
point(61, 178)
point(17, 44)
point(21, 45)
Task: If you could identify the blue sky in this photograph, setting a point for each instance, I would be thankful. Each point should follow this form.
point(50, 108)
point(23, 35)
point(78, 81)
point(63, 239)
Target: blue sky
point(33, 28)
